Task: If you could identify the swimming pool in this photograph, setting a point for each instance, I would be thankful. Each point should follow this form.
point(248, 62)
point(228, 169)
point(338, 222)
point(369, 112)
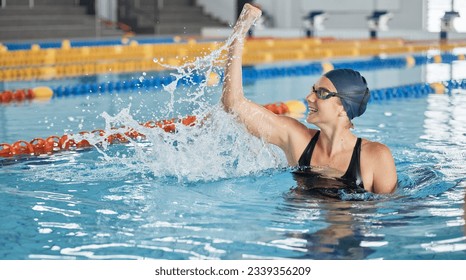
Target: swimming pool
point(214, 192)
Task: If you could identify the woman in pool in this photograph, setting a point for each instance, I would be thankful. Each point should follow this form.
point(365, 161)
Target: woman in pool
point(335, 99)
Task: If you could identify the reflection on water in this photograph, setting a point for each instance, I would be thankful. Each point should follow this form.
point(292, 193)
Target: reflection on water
point(445, 133)
point(231, 199)
point(342, 238)
point(426, 215)
point(436, 72)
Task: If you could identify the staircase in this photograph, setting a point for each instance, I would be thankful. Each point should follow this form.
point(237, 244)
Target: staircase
point(167, 17)
point(49, 19)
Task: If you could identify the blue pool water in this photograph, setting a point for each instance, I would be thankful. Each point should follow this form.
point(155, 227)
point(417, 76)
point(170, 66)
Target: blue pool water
point(214, 192)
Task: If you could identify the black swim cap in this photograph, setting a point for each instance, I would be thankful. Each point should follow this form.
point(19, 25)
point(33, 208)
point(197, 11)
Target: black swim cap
point(353, 90)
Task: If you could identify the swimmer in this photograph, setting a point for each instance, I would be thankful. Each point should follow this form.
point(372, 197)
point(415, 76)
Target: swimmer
point(334, 100)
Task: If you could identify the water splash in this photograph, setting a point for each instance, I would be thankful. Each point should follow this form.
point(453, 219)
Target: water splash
point(422, 181)
point(216, 147)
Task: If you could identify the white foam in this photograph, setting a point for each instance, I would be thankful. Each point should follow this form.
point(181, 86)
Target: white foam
point(216, 147)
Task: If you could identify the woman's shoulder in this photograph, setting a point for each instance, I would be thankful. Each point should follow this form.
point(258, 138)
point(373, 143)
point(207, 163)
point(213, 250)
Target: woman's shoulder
point(377, 160)
point(375, 153)
point(374, 148)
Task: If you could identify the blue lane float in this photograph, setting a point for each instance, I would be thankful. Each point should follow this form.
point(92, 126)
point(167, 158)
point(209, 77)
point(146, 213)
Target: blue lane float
point(116, 86)
point(372, 64)
point(86, 43)
point(422, 59)
point(417, 90)
point(253, 73)
point(448, 57)
point(406, 91)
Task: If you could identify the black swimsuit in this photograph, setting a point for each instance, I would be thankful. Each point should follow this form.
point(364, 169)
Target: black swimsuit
point(351, 180)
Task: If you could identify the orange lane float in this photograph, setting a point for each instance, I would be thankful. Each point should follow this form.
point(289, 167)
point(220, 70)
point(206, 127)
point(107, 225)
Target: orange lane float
point(278, 108)
point(293, 108)
point(21, 95)
point(52, 144)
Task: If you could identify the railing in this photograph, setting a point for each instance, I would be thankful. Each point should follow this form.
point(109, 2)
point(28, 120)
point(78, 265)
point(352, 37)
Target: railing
point(91, 6)
point(129, 11)
point(31, 4)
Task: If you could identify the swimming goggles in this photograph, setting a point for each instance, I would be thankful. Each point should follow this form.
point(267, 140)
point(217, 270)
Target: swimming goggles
point(323, 93)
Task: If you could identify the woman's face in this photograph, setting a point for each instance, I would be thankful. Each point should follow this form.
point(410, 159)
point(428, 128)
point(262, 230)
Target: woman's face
point(323, 110)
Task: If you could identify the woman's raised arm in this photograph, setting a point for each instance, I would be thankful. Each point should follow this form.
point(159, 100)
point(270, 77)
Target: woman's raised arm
point(258, 120)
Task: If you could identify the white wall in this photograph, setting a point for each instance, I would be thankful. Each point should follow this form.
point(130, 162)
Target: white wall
point(335, 33)
point(107, 9)
point(408, 14)
point(345, 16)
point(225, 10)
point(350, 14)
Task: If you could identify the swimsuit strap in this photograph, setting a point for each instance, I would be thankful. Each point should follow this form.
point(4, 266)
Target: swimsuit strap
point(353, 173)
point(305, 159)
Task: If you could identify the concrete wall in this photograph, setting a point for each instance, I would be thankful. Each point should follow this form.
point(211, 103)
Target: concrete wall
point(343, 15)
point(107, 9)
point(346, 18)
point(408, 14)
point(225, 10)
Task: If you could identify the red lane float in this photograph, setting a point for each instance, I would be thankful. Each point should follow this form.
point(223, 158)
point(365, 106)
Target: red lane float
point(39, 146)
point(52, 144)
point(5, 150)
point(21, 95)
point(278, 108)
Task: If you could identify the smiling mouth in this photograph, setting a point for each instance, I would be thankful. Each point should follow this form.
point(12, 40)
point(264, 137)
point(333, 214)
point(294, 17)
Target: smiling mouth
point(312, 110)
